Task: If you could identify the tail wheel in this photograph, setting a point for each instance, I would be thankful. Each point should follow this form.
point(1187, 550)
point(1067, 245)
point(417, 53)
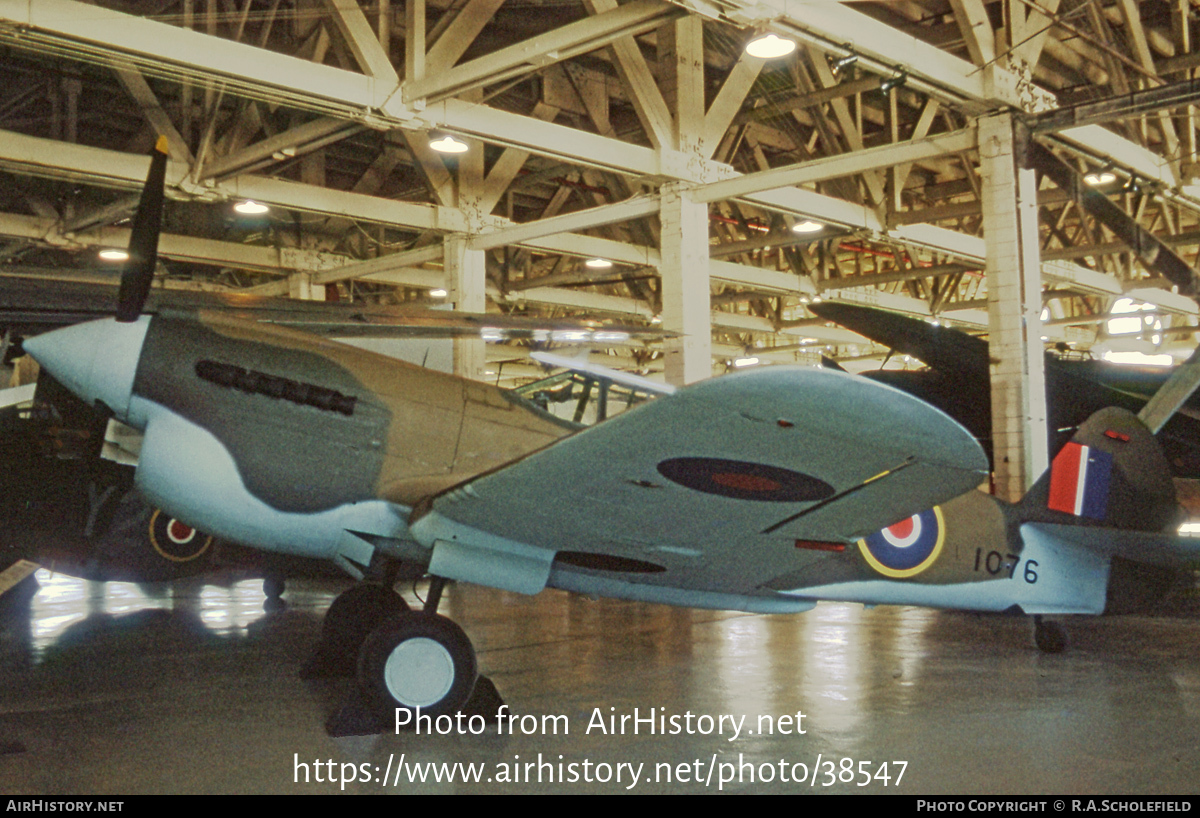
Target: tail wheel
point(418, 660)
point(274, 585)
point(1050, 637)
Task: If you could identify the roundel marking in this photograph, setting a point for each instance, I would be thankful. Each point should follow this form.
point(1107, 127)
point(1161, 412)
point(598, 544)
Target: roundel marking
point(908, 547)
point(176, 541)
point(179, 533)
point(904, 533)
point(742, 480)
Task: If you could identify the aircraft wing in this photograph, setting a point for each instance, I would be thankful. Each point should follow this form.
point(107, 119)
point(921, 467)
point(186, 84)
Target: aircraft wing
point(936, 346)
point(707, 489)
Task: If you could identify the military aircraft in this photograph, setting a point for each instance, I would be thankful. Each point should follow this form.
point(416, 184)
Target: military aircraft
point(761, 491)
point(958, 375)
point(82, 515)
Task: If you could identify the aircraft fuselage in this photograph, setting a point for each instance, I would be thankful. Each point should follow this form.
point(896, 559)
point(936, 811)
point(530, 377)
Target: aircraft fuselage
point(282, 438)
point(292, 443)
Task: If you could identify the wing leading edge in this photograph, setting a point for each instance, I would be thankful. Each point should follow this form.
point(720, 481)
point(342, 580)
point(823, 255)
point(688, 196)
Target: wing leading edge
point(698, 498)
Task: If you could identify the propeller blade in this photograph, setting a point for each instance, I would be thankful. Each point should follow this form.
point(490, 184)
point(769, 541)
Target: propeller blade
point(829, 363)
point(143, 239)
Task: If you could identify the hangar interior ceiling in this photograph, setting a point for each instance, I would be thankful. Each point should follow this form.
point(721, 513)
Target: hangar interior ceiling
point(582, 121)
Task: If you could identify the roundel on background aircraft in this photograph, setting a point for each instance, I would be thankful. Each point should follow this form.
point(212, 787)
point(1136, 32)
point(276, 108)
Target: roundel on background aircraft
point(176, 541)
point(908, 547)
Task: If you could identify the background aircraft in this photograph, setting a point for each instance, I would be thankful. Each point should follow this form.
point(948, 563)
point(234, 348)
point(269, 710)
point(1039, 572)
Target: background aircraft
point(762, 491)
point(958, 382)
point(69, 510)
point(32, 305)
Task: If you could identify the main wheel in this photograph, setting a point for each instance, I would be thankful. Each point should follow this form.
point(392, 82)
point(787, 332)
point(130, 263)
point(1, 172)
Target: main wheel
point(350, 619)
point(358, 611)
point(418, 660)
point(1049, 636)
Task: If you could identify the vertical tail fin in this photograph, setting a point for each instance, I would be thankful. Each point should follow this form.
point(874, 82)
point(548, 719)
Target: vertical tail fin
point(1112, 473)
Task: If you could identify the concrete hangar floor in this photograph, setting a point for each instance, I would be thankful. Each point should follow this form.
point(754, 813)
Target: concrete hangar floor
point(193, 688)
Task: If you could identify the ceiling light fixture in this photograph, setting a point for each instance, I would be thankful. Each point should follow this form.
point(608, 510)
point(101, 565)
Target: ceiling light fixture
point(740, 362)
point(251, 208)
point(1104, 176)
point(610, 337)
point(570, 335)
point(807, 226)
point(448, 144)
point(113, 254)
point(842, 63)
point(438, 293)
point(598, 263)
point(769, 46)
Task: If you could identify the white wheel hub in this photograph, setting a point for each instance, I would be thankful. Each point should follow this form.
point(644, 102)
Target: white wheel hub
point(419, 672)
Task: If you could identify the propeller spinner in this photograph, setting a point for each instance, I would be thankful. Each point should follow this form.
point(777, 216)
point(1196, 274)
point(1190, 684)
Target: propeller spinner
point(97, 360)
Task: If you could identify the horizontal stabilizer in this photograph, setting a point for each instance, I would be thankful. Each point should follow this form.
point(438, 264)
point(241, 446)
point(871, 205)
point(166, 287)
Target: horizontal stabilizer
point(1163, 549)
point(15, 574)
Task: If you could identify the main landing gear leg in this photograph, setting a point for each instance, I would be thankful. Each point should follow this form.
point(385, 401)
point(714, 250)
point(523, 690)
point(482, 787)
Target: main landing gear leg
point(421, 662)
point(1048, 636)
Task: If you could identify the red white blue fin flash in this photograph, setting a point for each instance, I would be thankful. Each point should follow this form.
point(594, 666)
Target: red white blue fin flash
point(1079, 479)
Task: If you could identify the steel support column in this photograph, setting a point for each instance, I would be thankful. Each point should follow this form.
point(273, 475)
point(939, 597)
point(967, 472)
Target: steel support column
point(1014, 308)
point(685, 287)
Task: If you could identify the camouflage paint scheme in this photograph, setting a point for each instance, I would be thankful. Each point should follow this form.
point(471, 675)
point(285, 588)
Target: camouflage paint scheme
point(958, 374)
point(1126, 566)
point(412, 432)
point(751, 492)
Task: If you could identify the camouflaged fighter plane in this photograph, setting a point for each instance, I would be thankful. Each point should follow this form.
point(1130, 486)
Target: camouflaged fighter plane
point(761, 491)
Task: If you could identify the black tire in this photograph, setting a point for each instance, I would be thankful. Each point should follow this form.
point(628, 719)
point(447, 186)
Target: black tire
point(1050, 637)
point(350, 619)
point(418, 660)
point(356, 612)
